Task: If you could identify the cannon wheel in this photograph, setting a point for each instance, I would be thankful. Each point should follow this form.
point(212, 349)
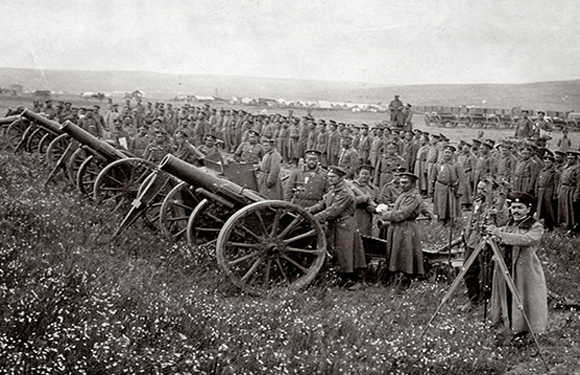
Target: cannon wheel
point(34, 139)
point(15, 132)
point(44, 142)
point(3, 138)
point(176, 210)
point(87, 174)
point(56, 149)
point(118, 183)
point(205, 222)
point(74, 164)
point(271, 244)
point(152, 213)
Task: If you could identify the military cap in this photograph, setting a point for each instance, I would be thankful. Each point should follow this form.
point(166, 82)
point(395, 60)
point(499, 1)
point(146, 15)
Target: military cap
point(59, 105)
point(379, 126)
point(48, 101)
point(442, 136)
point(450, 147)
point(490, 141)
point(160, 131)
point(436, 136)
point(417, 132)
point(115, 105)
point(367, 167)
point(322, 121)
point(69, 103)
point(573, 153)
point(549, 156)
point(312, 152)
point(561, 153)
point(525, 111)
point(425, 133)
point(487, 143)
point(154, 120)
point(97, 107)
point(364, 126)
point(209, 135)
point(476, 141)
point(253, 132)
point(399, 169)
point(176, 133)
point(269, 140)
point(408, 175)
point(521, 197)
point(337, 171)
point(541, 113)
point(393, 143)
point(527, 147)
point(347, 137)
point(332, 122)
point(503, 144)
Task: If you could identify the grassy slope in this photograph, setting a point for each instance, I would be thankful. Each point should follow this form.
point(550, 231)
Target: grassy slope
point(72, 302)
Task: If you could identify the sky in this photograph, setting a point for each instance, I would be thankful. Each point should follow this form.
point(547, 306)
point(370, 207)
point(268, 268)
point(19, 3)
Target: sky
point(385, 42)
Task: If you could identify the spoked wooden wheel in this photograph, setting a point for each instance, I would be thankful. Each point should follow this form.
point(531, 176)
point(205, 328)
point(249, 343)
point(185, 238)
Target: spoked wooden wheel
point(118, 183)
point(87, 174)
point(44, 142)
point(3, 139)
point(176, 210)
point(15, 132)
point(34, 139)
point(205, 222)
point(152, 213)
point(56, 149)
point(271, 244)
point(74, 163)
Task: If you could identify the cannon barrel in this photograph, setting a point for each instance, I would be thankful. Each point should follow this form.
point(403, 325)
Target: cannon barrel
point(49, 125)
point(9, 119)
point(198, 177)
point(100, 147)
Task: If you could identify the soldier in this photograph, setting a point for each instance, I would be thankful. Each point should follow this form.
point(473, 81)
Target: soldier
point(366, 203)
point(209, 149)
point(568, 193)
point(364, 145)
point(333, 144)
point(486, 164)
point(322, 143)
point(112, 115)
point(385, 165)
point(120, 136)
point(404, 251)
point(486, 210)
point(564, 143)
point(202, 127)
point(546, 192)
point(421, 164)
point(186, 151)
point(448, 186)
point(250, 152)
point(101, 123)
point(343, 239)
point(432, 156)
point(525, 126)
point(506, 163)
point(49, 110)
point(526, 172)
point(283, 137)
point(408, 118)
point(312, 136)
point(89, 123)
point(156, 150)
point(468, 162)
point(294, 144)
point(268, 173)
point(140, 141)
point(542, 128)
point(307, 185)
point(410, 150)
point(376, 144)
point(396, 108)
point(348, 158)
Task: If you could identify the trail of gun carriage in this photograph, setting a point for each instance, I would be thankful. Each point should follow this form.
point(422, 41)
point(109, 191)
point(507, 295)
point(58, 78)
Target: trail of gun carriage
point(315, 237)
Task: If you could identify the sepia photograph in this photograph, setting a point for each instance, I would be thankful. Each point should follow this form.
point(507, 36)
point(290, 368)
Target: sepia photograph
point(289, 187)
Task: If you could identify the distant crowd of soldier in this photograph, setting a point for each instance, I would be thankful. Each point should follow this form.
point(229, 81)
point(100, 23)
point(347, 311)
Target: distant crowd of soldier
point(373, 159)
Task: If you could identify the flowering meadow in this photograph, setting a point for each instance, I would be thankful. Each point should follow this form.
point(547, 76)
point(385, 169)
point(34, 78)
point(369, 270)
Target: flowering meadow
point(74, 302)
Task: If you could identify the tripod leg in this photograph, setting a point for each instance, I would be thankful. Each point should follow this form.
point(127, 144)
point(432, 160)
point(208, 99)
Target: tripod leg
point(466, 265)
point(512, 286)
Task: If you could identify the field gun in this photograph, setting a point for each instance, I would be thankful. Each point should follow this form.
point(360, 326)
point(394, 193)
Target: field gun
point(30, 131)
point(260, 244)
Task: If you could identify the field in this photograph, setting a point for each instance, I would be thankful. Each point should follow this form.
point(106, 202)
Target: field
point(76, 302)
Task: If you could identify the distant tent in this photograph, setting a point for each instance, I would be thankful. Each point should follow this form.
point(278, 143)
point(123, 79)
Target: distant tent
point(324, 104)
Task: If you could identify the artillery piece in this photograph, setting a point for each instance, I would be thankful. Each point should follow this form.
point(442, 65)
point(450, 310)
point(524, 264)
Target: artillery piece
point(260, 244)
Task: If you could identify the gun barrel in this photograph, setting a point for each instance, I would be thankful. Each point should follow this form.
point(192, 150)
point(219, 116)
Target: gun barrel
point(198, 177)
point(87, 139)
point(9, 119)
point(49, 125)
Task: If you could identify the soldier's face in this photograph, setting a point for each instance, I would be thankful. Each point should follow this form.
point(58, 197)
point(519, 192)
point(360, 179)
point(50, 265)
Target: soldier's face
point(482, 188)
point(334, 179)
point(571, 160)
point(406, 183)
point(519, 210)
point(548, 163)
point(526, 154)
point(209, 142)
point(448, 154)
point(311, 161)
point(252, 139)
point(364, 175)
point(391, 149)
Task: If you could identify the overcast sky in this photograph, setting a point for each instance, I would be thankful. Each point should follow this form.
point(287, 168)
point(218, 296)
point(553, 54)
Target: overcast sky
point(390, 42)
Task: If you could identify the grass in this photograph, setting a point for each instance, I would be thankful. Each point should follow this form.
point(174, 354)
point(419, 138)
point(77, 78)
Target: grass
point(74, 302)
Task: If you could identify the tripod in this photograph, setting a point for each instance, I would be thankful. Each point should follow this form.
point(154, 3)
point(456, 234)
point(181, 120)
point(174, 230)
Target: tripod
point(488, 240)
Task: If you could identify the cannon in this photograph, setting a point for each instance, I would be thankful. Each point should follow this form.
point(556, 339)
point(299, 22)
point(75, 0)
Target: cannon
point(446, 119)
point(31, 132)
point(5, 123)
point(260, 244)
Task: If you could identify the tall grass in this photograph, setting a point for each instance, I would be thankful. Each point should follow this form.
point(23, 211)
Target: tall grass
point(74, 302)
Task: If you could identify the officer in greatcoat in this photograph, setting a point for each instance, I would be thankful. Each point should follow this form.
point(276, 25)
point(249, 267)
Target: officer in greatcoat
point(545, 191)
point(366, 203)
point(448, 186)
point(307, 184)
point(268, 173)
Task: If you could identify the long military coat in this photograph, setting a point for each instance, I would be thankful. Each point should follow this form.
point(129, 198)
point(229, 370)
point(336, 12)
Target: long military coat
point(343, 238)
point(268, 176)
point(404, 252)
point(349, 160)
point(365, 207)
point(546, 185)
point(567, 192)
point(525, 176)
point(528, 276)
point(449, 183)
point(421, 168)
point(384, 169)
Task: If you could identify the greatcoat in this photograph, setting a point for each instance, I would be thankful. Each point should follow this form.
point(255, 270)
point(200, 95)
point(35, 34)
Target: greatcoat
point(268, 175)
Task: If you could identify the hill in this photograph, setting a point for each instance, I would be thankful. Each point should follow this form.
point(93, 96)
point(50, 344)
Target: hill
point(557, 95)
